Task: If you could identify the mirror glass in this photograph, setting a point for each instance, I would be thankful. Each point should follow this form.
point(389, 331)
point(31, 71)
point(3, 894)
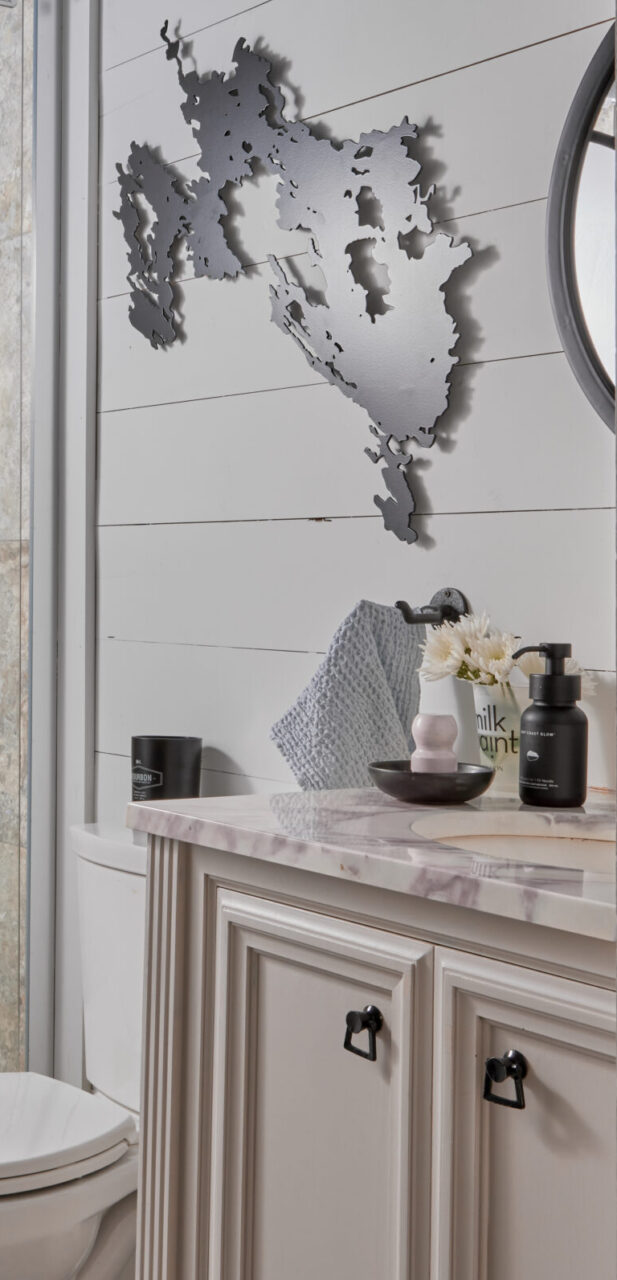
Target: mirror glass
point(594, 234)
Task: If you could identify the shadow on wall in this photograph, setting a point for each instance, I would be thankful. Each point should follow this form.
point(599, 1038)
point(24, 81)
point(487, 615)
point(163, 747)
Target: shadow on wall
point(458, 292)
point(222, 775)
point(468, 349)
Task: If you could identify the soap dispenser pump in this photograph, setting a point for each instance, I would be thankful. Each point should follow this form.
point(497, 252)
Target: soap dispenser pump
point(553, 740)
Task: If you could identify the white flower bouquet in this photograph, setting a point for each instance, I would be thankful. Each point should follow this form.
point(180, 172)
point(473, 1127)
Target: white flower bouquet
point(472, 649)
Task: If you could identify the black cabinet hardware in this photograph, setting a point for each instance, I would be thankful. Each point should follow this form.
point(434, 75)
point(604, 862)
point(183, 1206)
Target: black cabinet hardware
point(368, 1019)
point(512, 1066)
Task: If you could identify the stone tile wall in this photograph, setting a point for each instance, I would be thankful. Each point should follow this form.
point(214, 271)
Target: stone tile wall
point(16, 62)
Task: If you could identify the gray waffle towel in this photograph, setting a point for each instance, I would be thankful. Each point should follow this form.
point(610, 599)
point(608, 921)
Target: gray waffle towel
point(360, 703)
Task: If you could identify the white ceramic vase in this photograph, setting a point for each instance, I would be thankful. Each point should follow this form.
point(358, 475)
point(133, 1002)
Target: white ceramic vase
point(498, 720)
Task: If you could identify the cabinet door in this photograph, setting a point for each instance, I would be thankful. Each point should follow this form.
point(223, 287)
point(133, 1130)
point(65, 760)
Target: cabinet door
point(320, 1158)
point(522, 1192)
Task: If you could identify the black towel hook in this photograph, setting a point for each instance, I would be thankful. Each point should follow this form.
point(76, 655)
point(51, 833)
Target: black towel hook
point(447, 605)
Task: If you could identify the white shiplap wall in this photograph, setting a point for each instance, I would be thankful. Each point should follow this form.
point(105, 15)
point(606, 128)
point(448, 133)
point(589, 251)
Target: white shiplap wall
point(236, 522)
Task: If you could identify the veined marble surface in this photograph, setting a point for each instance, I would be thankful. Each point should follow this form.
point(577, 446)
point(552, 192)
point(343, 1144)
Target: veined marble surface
point(368, 837)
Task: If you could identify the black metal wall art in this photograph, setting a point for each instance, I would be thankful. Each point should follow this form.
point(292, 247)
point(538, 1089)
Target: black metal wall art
point(380, 331)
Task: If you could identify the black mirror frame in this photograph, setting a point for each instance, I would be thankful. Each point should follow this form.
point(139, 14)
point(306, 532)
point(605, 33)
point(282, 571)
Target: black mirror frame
point(577, 344)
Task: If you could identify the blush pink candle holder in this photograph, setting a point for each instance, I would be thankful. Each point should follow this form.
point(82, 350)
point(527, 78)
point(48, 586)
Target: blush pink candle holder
point(434, 737)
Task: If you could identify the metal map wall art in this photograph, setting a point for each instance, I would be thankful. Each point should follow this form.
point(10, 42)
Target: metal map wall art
point(380, 331)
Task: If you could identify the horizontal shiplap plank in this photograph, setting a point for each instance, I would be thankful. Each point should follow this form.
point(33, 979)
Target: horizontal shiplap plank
point(287, 586)
point(480, 159)
point(123, 41)
point(198, 461)
point(113, 786)
point(395, 45)
point(231, 698)
point(233, 346)
point(228, 698)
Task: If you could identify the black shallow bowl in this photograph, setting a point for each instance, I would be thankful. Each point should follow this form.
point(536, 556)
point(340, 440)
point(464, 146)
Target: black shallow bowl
point(396, 779)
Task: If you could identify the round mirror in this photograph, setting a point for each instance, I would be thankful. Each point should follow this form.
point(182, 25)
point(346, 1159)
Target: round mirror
point(581, 232)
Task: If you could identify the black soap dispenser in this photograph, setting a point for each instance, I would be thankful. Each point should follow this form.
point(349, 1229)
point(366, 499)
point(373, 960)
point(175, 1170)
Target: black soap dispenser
point(553, 750)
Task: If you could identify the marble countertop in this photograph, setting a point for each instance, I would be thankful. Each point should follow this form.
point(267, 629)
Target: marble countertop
point(365, 836)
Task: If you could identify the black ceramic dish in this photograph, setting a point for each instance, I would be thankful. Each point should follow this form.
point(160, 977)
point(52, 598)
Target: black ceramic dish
point(396, 779)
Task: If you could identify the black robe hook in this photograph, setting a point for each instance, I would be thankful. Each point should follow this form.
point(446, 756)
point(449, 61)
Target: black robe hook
point(447, 605)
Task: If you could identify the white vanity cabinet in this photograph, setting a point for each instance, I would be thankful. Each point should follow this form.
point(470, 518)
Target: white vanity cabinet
point(271, 1152)
point(319, 1156)
point(522, 1192)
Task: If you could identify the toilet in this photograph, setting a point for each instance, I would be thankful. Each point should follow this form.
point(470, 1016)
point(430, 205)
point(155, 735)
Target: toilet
point(69, 1156)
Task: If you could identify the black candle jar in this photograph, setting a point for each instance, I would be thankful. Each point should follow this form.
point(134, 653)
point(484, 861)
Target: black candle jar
point(165, 768)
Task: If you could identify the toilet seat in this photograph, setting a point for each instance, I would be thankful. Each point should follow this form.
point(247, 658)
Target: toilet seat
point(51, 1133)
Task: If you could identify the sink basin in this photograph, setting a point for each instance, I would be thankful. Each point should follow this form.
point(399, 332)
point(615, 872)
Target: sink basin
point(523, 837)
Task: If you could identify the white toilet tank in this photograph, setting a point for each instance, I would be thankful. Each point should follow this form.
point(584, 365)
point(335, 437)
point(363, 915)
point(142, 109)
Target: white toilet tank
point(112, 909)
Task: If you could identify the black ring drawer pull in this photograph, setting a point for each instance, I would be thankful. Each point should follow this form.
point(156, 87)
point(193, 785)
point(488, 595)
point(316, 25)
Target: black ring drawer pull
point(512, 1066)
point(369, 1019)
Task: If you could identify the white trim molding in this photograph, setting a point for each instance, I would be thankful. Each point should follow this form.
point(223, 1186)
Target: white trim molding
point(43, 525)
point(63, 583)
point(77, 516)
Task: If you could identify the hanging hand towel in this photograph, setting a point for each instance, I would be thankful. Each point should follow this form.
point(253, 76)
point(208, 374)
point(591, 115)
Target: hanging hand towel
point(360, 703)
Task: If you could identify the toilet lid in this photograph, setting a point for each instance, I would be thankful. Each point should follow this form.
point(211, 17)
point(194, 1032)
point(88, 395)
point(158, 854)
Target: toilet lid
point(51, 1132)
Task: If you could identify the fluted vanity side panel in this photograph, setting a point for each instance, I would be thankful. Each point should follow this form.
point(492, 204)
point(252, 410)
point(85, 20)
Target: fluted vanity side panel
point(161, 1064)
point(235, 503)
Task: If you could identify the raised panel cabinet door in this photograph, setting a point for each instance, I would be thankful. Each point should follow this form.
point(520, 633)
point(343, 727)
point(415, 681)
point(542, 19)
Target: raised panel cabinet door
point(320, 1157)
point(522, 1192)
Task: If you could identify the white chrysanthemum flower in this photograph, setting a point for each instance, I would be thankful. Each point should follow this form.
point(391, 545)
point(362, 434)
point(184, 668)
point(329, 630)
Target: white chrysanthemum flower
point(588, 680)
point(531, 664)
point(470, 649)
point(472, 627)
point(443, 653)
point(534, 664)
point(491, 657)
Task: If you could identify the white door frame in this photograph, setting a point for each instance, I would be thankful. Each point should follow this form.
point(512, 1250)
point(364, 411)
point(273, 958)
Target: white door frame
point(63, 526)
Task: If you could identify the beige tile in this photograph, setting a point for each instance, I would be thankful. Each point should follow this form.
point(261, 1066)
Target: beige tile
point(10, 1053)
point(26, 380)
point(24, 694)
point(11, 971)
point(23, 942)
point(10, 709)
point(15, 395)
point(27, 115)
point(9, 924)
point(10, 387)
point(11, 117)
